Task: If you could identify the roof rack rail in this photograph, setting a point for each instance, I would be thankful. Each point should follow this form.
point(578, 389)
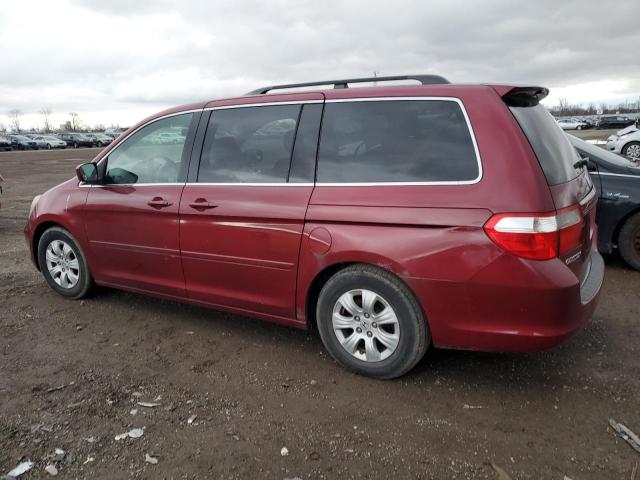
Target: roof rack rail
point(344, 83)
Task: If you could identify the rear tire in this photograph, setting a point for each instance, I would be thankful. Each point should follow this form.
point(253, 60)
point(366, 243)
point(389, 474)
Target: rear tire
point(63, 264)
point(75, 145)
point(629, 241)
point(381, 332)
point(632, 150)
point(48, 146)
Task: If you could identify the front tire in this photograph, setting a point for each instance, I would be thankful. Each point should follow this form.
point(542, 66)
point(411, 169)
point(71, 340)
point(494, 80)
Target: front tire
point(75, 145)
point(371, 323)
point(63, 263)
point(632, 150)
point(48, 146)
point(629, 241)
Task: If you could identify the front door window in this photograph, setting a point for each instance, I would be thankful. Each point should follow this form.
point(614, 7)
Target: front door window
point(154, 154)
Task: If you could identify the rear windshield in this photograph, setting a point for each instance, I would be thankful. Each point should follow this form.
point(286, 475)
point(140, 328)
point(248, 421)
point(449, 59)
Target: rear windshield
point(554, 151)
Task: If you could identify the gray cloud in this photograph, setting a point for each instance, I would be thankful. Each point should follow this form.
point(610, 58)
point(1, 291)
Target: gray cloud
point(92, 55)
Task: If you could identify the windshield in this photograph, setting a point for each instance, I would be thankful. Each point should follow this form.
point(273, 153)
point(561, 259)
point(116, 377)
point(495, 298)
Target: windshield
point(600, 153)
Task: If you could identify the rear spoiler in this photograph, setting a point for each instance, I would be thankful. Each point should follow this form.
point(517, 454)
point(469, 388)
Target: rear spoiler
point(522, 96)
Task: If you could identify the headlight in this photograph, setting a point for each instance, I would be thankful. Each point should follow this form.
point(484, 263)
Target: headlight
point(34, 202)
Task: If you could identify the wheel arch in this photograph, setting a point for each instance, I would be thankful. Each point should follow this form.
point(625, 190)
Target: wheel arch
point(37, 234)
point(627, 144)
point(323, 276)
point(621, 222)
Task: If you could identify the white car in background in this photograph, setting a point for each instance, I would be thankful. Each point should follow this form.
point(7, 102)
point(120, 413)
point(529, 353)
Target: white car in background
point(572, 124)
point(49, 142)
point(626, 142)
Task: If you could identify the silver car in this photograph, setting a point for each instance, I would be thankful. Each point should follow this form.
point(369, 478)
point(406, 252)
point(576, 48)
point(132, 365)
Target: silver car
point(49, 142)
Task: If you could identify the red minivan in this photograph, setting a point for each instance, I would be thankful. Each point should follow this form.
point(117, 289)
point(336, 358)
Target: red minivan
point(390, 218)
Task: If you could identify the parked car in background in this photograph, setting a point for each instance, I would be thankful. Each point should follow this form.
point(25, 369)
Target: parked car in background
point(100, 139)
point(115, 132)
point(20, 142)
point(49, 141)
point(617, 181)
point(630, 129)
point(572, 124)
point(167, 138)
point(39, 142)
point(589, 122)
point(614, 121)
point(5, 143)
point(391, 218)
point(626, 142)
point(77, 140)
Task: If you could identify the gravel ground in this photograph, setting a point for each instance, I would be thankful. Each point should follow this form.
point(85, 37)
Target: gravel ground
point(72, 374)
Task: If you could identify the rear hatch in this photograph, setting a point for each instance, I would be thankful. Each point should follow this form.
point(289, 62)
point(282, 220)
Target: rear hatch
point(571, 188)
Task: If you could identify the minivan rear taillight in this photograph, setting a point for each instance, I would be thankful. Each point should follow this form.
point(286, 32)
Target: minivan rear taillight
point(537, 236)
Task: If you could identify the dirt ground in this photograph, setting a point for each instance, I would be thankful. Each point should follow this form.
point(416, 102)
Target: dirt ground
point(255, 388)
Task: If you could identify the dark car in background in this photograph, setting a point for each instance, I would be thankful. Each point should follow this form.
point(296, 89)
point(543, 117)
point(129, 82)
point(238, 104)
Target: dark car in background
point(617, 180)
point(5, 143)
point(614, 121)
point(20, 142)
point(589, 122)
point(77, 140)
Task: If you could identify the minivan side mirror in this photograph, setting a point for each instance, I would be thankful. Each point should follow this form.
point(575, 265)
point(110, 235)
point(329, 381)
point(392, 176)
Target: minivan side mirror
point(87, 173)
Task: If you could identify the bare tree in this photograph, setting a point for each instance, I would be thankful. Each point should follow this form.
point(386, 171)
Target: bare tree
point(46, 112)
point(14, 119)
point(563, 105)
point(75, 121)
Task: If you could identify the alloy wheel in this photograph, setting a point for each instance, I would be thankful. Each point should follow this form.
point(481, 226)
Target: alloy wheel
point(633, 151)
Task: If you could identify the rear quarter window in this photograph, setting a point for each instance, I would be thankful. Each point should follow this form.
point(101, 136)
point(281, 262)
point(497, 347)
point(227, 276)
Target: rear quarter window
point(387, 141)
point(550, 144)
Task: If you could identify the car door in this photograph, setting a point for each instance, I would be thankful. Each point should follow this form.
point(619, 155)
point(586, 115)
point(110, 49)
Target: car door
point(132, 218)
point(242, 212)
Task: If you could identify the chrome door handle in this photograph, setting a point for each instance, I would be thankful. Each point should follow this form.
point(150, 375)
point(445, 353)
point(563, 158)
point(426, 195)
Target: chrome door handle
point(159, 202)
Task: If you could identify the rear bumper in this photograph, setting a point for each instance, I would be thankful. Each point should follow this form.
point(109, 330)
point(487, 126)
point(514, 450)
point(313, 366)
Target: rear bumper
point(535, 306)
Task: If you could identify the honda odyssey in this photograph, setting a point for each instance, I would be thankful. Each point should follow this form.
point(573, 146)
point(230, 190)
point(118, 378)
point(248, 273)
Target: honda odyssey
point(391, 218)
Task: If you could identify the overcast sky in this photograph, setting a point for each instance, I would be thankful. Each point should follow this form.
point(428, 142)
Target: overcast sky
point(116, 61)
